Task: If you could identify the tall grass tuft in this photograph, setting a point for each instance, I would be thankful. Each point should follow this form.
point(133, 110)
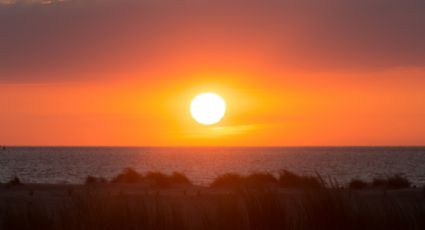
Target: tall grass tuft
point(288, 179)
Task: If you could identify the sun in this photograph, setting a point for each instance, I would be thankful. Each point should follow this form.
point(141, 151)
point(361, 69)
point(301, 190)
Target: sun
point(208, 108)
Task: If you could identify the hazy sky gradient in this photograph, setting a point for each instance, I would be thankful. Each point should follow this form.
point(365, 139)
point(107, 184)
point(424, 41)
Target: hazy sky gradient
point(121, 72)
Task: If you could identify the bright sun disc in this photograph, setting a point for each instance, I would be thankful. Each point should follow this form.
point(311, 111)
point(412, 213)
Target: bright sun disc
point(208, 108)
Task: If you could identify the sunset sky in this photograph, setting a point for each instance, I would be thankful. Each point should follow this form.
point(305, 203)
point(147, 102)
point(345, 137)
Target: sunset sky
point(292, 72)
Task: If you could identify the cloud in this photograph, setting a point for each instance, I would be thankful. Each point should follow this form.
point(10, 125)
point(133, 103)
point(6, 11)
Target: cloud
point(71, 40)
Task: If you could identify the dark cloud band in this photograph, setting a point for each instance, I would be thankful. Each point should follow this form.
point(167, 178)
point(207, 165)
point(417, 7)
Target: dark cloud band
point(77, 38)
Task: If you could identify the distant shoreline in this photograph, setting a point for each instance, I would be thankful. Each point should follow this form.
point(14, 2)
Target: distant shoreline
point(171, 147)
point(202, 165)
point(285, 179)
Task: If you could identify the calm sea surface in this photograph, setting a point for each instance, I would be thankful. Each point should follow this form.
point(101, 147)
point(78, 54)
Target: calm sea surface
point(202, 165)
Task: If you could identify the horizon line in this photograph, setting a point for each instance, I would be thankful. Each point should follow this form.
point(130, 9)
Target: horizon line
point(225, 146)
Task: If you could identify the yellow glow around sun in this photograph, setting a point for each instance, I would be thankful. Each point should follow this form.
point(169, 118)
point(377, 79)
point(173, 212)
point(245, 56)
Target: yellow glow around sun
point(208, 108)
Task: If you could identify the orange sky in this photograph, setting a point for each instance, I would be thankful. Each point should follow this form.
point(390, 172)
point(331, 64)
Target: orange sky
point(124, 72)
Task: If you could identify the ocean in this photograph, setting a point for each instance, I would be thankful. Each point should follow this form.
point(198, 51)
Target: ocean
point(202, 165)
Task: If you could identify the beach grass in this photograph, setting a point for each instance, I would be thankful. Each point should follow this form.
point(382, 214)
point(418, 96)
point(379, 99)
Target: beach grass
point(254, 201)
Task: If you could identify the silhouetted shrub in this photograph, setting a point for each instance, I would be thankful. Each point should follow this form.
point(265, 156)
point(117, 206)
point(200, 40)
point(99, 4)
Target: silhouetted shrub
point(379, 182)
point(228, 179)
point(179, 178)
point(423, 190)
point(158, 179)
point(155, 179)
point(291, 180)
point(259, 178)
point(14, 181)
point(129, 175)
point(398, 181)
point(392, 182)
point(357, 184)
point(161, 180)
point(90, 180)
point(286, 179)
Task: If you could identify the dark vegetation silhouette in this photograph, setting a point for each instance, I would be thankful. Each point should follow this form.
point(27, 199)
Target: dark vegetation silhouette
point(288, 179)
point(14, 181)
point(129, 175)
point(292, 202)
point(325, 208)
point(92, 180)
point(228, 179)
point(285, 179)
point(153, 179)
point(358, 184)
point(391, 182)
point(394, 182)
